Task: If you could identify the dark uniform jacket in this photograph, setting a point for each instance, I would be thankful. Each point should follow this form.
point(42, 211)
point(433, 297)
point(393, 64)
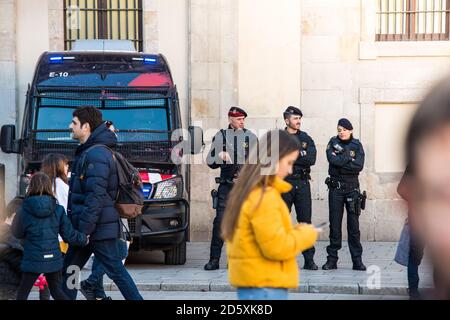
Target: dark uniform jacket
point(308, 154)
point(237, 143)
point(346, 159)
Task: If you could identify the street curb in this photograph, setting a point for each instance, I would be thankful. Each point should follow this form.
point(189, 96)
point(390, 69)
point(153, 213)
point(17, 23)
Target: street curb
point(218, 286)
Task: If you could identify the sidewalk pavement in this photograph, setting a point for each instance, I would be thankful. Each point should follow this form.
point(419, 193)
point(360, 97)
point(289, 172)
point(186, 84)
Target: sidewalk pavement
point(150, 274)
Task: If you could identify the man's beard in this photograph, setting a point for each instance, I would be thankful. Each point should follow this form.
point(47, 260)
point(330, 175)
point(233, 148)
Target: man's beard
point(294, 127)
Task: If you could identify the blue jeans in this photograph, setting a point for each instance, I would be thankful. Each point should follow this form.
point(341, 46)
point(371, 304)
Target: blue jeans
point(262, 294)
point(98, 271)
point(106, 251)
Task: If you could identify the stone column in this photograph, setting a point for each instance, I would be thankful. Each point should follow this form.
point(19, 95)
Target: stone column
point(56, 25)
point(214, 88)
point(8, 86)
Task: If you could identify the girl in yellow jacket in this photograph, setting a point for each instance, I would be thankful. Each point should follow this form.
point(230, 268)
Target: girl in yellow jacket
point(261, 242)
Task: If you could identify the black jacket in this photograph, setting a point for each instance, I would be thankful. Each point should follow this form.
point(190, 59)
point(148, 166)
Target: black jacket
point(38, 222)
point(237, 143)
point(308, 153)
point(346, 164)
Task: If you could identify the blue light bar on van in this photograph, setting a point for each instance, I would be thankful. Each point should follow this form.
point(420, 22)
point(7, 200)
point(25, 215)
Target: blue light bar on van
point(146, 60)
point(150, 60)
point(58, 59)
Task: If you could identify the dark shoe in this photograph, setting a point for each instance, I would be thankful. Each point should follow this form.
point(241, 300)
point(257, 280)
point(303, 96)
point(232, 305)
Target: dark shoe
point(359, 266)
point(105, 298)
point(310, 265)
point(414, 294)
point(330, 265)
point(87, 290)
point(213, 264)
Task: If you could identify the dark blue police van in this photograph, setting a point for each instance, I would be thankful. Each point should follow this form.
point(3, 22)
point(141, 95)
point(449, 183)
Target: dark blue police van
point(137, 93)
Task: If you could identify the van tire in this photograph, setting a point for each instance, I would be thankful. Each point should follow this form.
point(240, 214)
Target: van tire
point(177, 255)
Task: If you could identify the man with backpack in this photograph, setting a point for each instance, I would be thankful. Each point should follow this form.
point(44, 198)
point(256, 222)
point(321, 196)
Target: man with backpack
point(94, 187)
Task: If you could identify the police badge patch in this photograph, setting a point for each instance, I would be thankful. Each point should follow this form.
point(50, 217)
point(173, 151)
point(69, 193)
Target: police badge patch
point(304, 145)
point(352, 153)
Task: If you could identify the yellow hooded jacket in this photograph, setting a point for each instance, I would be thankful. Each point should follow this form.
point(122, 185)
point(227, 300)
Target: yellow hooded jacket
point(265, 244)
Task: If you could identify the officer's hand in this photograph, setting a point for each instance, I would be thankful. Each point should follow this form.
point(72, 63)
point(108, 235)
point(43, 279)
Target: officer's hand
point(225, 156)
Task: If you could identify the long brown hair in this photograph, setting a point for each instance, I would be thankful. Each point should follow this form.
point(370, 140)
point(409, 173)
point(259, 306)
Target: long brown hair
point(251, 174)
point(53, 166)
point(40, 184)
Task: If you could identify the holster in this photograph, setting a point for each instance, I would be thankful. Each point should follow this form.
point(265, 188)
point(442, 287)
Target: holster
point(353, 205)
point(363, 199)
point(215, 198)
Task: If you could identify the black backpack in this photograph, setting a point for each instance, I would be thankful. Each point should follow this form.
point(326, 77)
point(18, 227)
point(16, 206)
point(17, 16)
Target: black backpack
point(130, 198)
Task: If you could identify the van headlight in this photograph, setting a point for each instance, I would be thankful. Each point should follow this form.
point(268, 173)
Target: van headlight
point(167, 189)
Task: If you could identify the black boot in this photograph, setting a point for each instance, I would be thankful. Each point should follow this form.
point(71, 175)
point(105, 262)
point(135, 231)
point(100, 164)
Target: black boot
point(310, 265)
point(359, 266)
point(213, 264)
point(330, 265)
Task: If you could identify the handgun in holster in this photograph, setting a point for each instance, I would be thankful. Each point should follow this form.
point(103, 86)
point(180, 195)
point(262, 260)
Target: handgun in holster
point(363, 199)
point(360, 202)
point(353, 205)
point(330, 183)
point(215, 198)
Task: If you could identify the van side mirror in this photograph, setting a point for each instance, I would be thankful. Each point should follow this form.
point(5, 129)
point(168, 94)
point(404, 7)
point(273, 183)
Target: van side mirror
point(8, 142)
point(196, 139)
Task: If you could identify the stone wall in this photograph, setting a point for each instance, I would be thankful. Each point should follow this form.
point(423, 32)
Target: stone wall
point(262, 55)
point(8, 86)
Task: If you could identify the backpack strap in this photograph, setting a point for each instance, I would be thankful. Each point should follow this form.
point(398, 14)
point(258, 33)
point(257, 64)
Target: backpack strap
point(84, 155)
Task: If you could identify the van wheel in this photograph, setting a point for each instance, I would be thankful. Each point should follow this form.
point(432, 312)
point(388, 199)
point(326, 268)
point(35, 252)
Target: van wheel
point(177, 255)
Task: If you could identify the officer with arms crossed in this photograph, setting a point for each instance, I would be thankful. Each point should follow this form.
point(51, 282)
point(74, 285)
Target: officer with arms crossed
point(345, 155)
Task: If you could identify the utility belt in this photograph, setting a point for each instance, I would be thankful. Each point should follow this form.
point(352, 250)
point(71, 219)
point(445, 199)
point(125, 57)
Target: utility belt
point(215, 193)
point(357, 201)
point(224, 181)
point(303, 174)
point(340, 185)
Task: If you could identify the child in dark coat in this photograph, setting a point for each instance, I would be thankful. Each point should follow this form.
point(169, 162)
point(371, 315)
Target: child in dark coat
point(39, 222)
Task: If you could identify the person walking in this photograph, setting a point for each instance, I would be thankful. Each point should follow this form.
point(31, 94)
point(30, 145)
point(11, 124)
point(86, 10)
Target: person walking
point(38, 222)
point(56, 167)
point(92, 288)
point(92, 189)
point(261, 242)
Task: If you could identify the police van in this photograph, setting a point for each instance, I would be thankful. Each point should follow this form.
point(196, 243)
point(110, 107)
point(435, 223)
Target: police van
point(137, 93)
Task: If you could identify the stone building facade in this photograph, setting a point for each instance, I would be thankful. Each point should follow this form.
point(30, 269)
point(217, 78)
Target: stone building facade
point(321, 55)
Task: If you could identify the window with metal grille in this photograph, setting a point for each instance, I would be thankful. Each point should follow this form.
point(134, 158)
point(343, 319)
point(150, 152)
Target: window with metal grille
point(103, 19)
point(415, 20)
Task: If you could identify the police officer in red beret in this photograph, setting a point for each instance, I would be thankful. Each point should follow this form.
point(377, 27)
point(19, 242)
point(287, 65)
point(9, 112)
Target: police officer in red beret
point(229, 150)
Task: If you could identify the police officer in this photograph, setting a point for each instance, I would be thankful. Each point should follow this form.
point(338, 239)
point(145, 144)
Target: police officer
point(229, 151)
point(300, 195)
point(345, 155)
